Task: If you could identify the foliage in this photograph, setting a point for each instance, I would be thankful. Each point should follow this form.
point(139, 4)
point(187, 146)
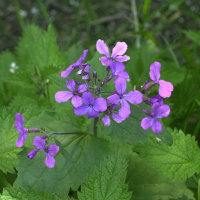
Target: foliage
point(94, 161)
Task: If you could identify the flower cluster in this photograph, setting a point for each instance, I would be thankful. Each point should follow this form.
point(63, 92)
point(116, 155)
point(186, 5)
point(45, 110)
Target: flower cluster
point(39, 142)
point(159, 110)
point(87, 97)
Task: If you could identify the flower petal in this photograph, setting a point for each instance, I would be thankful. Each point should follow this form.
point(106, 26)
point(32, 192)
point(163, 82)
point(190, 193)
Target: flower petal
point(117, 118)
point(160, 111)
point(92, 113)
point(119, 49)
point(76, 101)
point(82, 57)
point(155, 71)
point(125, 110)
point(155, 99)
point(82, 88)
point(19, 122)
point(156, 126)
point(106, 120)
point(88, 98)
point(102, 48)
point(105, 61)
point(53, 149)
point(32, 154)
point(113, 66)
point(49, 160)
point(81, 110)
point(21, 138)
point(113, 106)
point(67, 72)
point(100, 104)
point(134, 97)
point(113, 99)
point(39, 142)
point(71, 85)
point(120, 67)
point(147, 122)
point(122, 58)
point(165, 88)
point(120, 85)
point(63, 96)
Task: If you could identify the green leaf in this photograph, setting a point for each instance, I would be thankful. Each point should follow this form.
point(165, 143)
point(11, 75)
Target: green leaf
point(179, 161)
point(9, 135)
point(62, 121)
point(38, 48)
point(77, 158)
point(107, 183)
point(20, 194)
point(148, 184)
point(130, 129)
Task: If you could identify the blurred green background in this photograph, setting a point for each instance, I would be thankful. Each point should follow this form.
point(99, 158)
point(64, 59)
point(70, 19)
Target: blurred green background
point(162, 30)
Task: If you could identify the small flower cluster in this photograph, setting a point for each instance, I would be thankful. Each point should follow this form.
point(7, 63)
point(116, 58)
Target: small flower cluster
point(87, 97)
point(159, 110)
point(39, 142)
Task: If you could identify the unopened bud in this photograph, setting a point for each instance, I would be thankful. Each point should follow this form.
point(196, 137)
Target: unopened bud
point(94, 74)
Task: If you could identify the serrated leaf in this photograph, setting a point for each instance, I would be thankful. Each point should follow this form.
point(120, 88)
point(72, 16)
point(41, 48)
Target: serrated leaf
point(130, 129)
point(77, 158)
point(20, 78)
point(9, 135)
point(148, 184)
point(38, 48)
point(107, 183)
point(179, 161)
point(21, 194)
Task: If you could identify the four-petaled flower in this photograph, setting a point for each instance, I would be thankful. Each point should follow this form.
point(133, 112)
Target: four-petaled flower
point(158, 111)
point(64, 96)
point(77, 64)
point(134, 97)
point(49, 151)
point(165, 87)
point(117, 52)
point(19, 127)
point(92, 106)
point(115, 116)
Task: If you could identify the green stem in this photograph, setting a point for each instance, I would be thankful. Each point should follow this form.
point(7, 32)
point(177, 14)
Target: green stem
point(74, 133)
point(136, 22)
point(20, 18)
point(44, 11)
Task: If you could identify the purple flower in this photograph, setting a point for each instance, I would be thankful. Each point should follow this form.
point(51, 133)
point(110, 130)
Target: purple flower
point(118, 70)
point(134, 97)
point(64, 96)
point(77, 64)
point(19, 127)
point(155, 99)
point(108, 112)
point(117, 52)
point(49, 151)
point(158, 111)
point(165, 87)
point(92, 106)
